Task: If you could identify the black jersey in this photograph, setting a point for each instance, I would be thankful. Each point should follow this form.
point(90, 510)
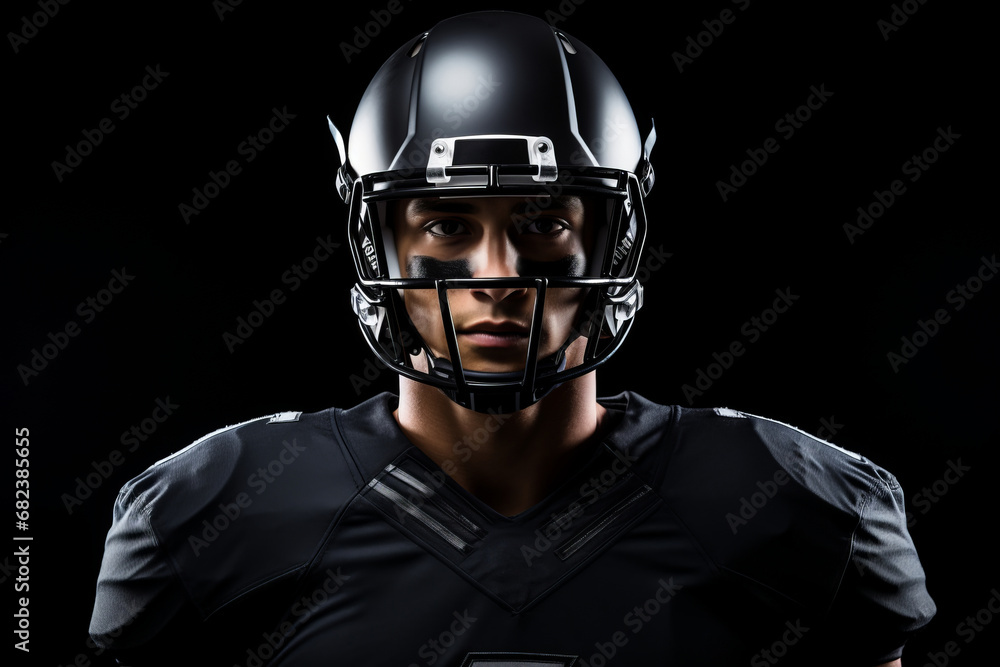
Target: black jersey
point(682, 537)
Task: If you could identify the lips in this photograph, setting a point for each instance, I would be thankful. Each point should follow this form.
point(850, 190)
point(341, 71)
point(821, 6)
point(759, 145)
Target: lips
point(495, 333)
point(488, 326)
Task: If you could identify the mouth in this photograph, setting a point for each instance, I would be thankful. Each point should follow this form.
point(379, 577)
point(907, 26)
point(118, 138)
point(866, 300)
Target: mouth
point(494, 334)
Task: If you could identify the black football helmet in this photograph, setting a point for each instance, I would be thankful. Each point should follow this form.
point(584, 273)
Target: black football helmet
point(495, 104)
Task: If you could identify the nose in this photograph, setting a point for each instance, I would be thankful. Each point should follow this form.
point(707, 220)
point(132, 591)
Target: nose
point(496, 258)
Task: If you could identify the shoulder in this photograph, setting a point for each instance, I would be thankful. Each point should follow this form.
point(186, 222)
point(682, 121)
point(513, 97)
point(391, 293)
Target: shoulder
point(252, 455)
point(249, 457)
point(268, 486)
point(837, 476)
point(730, 446)
point(229, 521)
point(723, 441)
point(755, 494)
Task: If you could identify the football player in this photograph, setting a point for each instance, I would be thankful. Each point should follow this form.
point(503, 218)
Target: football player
point(496, 511)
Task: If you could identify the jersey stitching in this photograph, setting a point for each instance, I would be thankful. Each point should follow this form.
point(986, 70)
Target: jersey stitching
point(863, 502)
point(318, 551)
point(252, 587)
point(340, 443)
point(702, 551)
point(209, 435)
point(145, 509)
point(303, 565)
point(345, 451)
point(853, 455)
point(659, 471)
point(801, 605)
point(306, 565)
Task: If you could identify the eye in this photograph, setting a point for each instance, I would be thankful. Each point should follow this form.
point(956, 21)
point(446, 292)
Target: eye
point(445, 228)
point(545, 226)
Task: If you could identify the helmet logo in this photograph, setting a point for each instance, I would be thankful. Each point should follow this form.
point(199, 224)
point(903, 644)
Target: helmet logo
point(622, 250)
point(370, 255)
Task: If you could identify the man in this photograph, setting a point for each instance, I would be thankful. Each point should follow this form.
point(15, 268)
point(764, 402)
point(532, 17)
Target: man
point(496, 512)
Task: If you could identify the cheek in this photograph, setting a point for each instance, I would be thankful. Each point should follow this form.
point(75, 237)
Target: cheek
point(425, 312)
point(422, 307)
point(562, 305)
point(564, 298)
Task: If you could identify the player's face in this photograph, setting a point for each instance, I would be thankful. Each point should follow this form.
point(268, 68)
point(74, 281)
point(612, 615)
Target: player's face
point(480, 237)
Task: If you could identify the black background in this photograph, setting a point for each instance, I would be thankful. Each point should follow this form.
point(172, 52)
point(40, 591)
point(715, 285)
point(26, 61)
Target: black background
point(825, 359)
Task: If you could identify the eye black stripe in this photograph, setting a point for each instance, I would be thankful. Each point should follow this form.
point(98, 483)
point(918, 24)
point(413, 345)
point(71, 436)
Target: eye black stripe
point(422, 266)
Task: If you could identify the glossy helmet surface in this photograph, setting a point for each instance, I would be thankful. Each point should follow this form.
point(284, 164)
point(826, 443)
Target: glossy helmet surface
point(495, 104)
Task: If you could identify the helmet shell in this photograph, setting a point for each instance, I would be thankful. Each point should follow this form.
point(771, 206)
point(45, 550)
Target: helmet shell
point(490, 73)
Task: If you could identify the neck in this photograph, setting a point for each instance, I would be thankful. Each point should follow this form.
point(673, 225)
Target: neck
point(509, 461)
